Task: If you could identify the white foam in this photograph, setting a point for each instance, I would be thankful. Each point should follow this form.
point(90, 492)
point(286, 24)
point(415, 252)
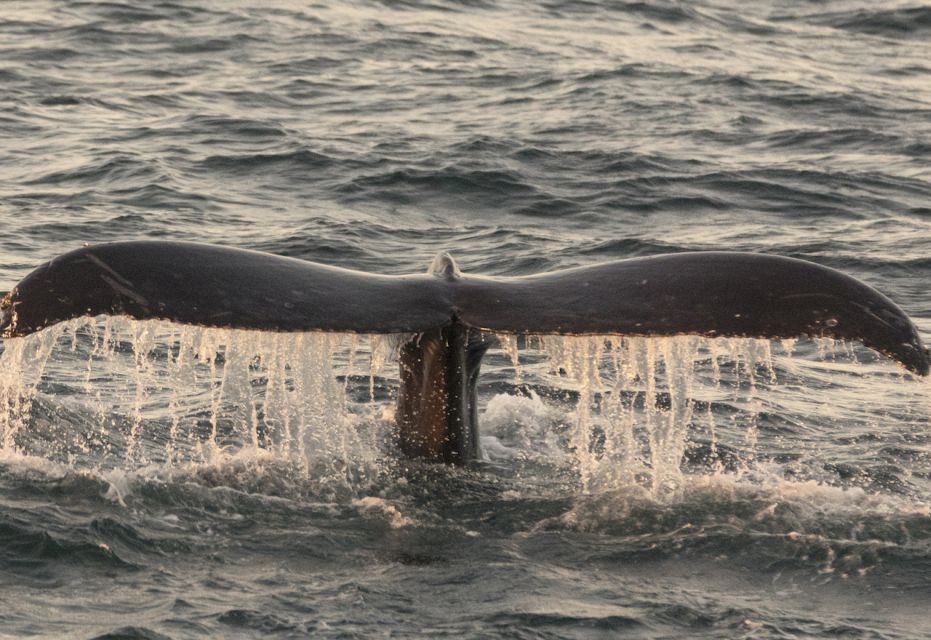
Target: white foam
point(379, 505)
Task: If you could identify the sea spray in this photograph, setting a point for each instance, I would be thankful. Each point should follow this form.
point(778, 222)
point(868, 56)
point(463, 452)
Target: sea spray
point(21, 367)
point(636, 402)
point(188, 395)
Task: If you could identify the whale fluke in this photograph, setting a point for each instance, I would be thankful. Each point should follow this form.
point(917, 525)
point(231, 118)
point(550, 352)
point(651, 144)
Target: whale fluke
point(215, 286)
point(708, 293)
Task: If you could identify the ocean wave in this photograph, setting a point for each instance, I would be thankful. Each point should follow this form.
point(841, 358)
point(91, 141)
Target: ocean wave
point(436, 5)
point(60, 101)
point(519, 623)
point(662, 11)
point(283, 162)
point(44, 53)
point(479, 185)
point(805, 526)
point(229, 129)
point(834, 139)
point(24, 549)
point(259, 622)
point(120, 12)
point(188, 46)
point(132, 633)
point(163, 197)
point(120, 168)
point(892, 23)
point(631, 70)
point(629, 247)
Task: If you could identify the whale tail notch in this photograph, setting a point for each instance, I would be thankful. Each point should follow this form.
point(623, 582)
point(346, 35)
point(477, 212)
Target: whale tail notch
point(452, 315)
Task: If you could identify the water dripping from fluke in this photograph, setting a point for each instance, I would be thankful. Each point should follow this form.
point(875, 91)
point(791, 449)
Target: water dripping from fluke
point(114, 393)
point(118, 393)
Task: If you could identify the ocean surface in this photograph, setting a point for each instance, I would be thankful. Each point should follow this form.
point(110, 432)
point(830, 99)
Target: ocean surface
point(159, 481)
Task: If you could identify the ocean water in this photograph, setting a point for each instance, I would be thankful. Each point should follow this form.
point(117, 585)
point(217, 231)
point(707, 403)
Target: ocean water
point(158, 481)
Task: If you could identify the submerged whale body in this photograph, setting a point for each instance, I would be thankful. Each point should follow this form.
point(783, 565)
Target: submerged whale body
point(453, 317)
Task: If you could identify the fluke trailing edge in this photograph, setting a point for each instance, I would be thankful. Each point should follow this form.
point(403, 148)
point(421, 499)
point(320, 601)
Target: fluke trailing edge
point(453, 315)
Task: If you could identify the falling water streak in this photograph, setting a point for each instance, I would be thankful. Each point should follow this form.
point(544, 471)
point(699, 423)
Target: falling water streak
point(585, 356)
point(613, 375)
point(310, 398)
point(173, 361)
point(287, 393)
point(766, 349)
point(751, 355)
point(22, 365)
point(734, 357)
point(142, 343)
point(237, 385)
point(109, 344)
point(275, 393)
point(186, 369)
point(825, 348)
point(620, 444)
point(302, 406)
point(216, 392)
point(508, 343)
point(253, 405)
point(647, 368)
point(715, 457)
point(296, 405)
point(330, 403)
point(376, 363)
point(11, 398)
point(350, 362)
point(287, 411)
point(672, 432)
point(95, 353)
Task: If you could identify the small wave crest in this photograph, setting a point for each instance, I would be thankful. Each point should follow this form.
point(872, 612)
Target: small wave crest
point(771, 524)
point(892, 23)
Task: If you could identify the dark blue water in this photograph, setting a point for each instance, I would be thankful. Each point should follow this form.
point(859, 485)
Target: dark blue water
point(520, 137)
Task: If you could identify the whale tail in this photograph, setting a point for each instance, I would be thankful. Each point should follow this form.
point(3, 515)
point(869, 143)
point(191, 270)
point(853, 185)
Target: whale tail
point(452, 315)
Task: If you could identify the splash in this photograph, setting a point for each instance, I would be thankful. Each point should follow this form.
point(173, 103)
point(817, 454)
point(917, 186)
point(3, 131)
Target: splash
point(637, 400)
point(117, 393)
point(136, 393)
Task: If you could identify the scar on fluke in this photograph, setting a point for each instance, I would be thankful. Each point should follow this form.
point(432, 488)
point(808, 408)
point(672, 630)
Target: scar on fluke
point(453, 317)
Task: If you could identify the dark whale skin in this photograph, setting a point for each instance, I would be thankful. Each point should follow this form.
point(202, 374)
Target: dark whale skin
point(703, 293)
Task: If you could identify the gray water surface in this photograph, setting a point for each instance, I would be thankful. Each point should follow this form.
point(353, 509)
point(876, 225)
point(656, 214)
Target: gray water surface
point(522, 137)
